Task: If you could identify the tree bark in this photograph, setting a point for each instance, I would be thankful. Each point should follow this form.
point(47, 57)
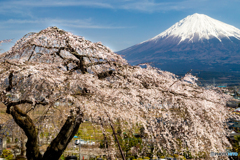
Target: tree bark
point(59, 144)
point(26, 123)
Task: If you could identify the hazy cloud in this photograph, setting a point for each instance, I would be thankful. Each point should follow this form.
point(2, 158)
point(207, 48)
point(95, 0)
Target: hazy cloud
point(86, 23)
point(151, 6)
point(53, 3)
point(139, 5)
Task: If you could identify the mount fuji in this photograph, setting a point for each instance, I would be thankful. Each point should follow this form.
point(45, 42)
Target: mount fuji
point(196, 42)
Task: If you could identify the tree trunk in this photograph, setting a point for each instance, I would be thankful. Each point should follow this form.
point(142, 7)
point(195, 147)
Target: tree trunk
point(26, 123)
point(57, 146)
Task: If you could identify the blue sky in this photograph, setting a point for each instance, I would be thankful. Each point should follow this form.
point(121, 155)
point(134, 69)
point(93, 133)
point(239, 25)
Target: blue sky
point(118, 24)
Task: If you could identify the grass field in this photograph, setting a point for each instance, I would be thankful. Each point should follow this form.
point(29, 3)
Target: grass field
point(87, 131)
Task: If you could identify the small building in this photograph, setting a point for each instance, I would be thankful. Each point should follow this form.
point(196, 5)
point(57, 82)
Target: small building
point(3, 140)
point(3, 143)
point(233, 103)
point(233, 124)
point(236, 124)
point(231, 136)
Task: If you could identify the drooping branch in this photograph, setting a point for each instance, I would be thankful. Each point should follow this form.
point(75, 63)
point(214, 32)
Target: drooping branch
point(115, 135)
point(59, 144)
point(5, 41)
point(32, 53)
point(105, 138)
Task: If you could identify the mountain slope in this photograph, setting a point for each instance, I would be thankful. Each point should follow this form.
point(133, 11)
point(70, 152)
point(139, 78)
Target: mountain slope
point(197, 41)
point(199, 27)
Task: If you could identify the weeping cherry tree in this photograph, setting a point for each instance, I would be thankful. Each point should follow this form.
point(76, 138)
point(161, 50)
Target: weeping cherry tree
point(54, 68)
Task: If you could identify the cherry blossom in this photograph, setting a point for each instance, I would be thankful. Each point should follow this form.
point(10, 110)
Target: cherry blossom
point(66, 75)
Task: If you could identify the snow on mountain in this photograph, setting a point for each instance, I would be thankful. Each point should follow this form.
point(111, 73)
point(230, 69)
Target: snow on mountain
point(198, 27)
point(195, 42)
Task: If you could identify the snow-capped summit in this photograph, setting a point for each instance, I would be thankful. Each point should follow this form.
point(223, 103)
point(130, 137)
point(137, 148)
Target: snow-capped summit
point(195, 42)
point(198, 27)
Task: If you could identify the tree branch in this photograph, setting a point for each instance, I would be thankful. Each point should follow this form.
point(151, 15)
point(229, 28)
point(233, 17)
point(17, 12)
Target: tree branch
point(115, 135)
point(105, 74)
point(105, 139)
point(31, 53)
point(10, 82)
point(12, 104)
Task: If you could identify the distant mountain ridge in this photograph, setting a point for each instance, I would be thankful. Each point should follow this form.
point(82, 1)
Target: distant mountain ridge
point(196, 42)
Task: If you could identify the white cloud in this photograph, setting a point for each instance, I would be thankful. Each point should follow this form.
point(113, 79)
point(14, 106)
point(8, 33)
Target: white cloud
point(25, 7)
point(139, 5)
point(148, 6)
point(54, 3)
point(85, 23)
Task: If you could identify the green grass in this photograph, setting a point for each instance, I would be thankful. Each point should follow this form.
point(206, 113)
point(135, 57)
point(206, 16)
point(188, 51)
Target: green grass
point(94, 133)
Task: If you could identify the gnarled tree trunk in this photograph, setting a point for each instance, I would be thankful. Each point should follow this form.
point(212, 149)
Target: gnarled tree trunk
point(57, 146)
